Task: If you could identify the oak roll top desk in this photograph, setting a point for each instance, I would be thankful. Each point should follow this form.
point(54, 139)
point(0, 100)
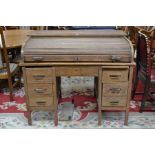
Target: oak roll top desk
point(105, 54)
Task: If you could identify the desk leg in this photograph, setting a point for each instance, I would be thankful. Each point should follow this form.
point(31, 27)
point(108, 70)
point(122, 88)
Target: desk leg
point(29, 117)
point(129, 95)
point(55, 99)
point(99, 96)
point(126, 117)
point(56, 118)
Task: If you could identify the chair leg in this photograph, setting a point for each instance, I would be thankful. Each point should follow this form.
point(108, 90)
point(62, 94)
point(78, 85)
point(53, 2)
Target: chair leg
point(10, 88)
point(20, 76)
point(95, 87)
point(134, 87)
point(146, 91)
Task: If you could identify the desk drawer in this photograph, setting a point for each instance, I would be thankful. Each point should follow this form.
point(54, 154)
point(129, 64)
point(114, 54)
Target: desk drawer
point(39, 75)
point(114, 101)
point(41, 101)
point(40, 89)
point(117, 89)
point(115, 75)
point(76, 71)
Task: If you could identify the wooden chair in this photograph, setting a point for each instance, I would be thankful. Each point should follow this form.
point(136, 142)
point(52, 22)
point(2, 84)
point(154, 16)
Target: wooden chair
point(7, 70)
point(144, 70)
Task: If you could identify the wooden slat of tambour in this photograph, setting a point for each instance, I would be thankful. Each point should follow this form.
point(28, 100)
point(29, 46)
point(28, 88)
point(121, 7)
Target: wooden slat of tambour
point(47, 42)
point(79, 33)
point(90, 45)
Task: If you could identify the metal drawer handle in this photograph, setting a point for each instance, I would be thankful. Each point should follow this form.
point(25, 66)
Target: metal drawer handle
point(115, 76)
point(39, 76)
point(115, 90)
point(76, 59)
point(114, 102)
point(40, 90)
point(41, 102)
point(115, 58)
point(37, 58)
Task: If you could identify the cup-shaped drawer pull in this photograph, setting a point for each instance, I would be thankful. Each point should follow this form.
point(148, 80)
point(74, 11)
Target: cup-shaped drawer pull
point(41, 102)
point(114, 102)
point(114, 76)
point(38, 77)
point(115, 58)
point(115, 90)
point(37, 58)
point(40, 90)
point(75, 58)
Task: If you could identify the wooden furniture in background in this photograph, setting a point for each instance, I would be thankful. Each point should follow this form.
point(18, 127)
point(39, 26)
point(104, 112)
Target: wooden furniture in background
point(132, 32)
point(104, 54)
point(15, 38)
point(7, 69)
point(38, 27)
point(10, 27)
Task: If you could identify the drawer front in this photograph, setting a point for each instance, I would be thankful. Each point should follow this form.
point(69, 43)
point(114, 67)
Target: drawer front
point(41, 101)
point(40, 89)
point(76, 71)
point(114, 101)
point(77, 58)
point(89, 71)
point(115, 75)
point(39, 75)
point(117, 89)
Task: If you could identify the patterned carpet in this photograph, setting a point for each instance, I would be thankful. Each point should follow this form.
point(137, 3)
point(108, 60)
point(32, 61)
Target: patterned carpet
point(14, 114)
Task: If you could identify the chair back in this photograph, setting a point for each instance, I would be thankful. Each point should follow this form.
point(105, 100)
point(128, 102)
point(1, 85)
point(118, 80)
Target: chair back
point(4, 60)
point(144, 61)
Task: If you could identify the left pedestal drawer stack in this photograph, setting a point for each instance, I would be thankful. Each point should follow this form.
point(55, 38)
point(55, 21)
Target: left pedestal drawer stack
point(39, 86)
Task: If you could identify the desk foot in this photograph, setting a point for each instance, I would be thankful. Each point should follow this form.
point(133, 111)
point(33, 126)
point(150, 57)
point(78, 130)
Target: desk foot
point(126, 117)
point(29, 118)
point(56, 118)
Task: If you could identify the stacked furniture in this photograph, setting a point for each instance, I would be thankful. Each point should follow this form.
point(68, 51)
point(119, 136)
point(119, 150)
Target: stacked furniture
point(104, 54)
point(8, 71)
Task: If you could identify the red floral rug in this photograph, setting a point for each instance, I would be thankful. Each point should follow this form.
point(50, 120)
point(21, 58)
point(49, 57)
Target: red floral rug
point(84, 102)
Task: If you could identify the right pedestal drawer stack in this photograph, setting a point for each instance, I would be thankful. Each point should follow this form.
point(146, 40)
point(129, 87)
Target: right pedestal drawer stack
point(115, 88)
